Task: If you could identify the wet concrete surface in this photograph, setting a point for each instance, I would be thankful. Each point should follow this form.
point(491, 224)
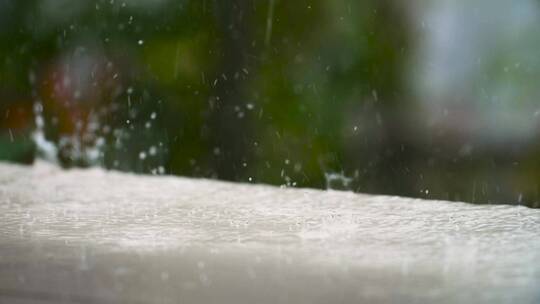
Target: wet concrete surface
point(91, 236)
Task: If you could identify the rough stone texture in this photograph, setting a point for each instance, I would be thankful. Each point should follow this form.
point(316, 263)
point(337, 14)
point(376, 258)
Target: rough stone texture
point(91, 236)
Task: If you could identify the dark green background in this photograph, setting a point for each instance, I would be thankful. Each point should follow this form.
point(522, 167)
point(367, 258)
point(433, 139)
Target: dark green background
point(340, 94)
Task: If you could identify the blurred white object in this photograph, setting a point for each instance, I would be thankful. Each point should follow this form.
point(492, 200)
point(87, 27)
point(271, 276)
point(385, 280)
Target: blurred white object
point(475, 67)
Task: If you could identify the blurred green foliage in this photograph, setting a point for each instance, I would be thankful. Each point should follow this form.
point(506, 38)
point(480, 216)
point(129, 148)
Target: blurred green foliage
point(297, 93)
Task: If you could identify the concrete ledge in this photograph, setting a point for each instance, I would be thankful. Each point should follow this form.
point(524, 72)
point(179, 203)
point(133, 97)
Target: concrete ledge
point(90, 236)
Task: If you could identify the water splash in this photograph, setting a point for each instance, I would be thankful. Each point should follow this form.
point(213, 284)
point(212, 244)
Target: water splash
point(337, 181)
point(45, 149)
point(72, 146)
